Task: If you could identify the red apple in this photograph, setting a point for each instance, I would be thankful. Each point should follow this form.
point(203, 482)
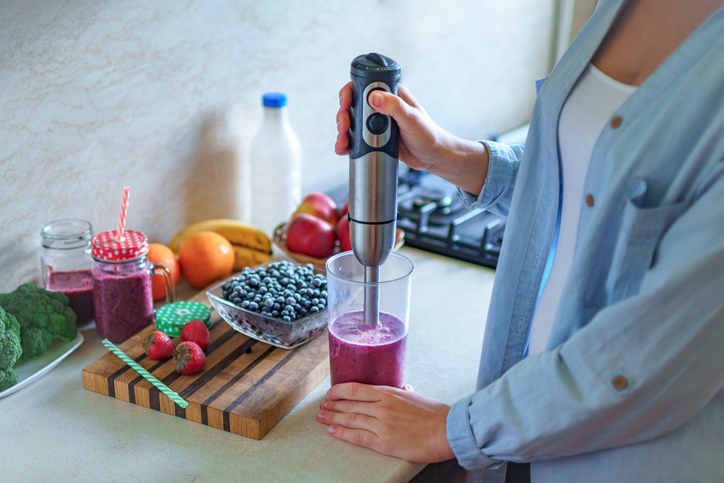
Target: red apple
point(343, 234)
point(320, 206)
point(309, 235)
point(345, 208)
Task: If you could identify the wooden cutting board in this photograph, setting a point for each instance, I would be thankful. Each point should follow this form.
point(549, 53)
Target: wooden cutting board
point(246, 388)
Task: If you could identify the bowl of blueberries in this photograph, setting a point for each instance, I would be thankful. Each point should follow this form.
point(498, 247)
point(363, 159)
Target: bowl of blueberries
point(280, 302)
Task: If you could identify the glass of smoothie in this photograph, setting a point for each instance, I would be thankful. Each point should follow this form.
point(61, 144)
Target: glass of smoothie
point(65, 264)
point(358, 350)
point(122, 292)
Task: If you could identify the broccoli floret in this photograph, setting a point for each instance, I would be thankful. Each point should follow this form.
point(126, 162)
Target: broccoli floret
point(42, 315)
point(10, 349)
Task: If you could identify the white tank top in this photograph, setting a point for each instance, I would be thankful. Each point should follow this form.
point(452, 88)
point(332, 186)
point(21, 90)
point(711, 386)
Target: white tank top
point(587, 110)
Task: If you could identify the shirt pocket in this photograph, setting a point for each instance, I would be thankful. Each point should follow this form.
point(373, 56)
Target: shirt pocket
point(628, 248)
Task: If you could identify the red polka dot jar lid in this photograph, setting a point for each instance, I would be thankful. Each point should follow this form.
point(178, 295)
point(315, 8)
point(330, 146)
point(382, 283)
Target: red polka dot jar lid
point(107, 247)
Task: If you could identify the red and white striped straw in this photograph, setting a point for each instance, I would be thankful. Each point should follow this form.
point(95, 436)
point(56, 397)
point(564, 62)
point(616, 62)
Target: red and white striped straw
point(124, 210)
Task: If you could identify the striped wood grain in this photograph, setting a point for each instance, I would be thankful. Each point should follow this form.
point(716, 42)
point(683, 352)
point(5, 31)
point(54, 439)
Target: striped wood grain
point(246, 388)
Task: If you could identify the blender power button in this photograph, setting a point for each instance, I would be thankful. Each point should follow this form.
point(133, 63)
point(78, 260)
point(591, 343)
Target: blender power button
point(377, 123)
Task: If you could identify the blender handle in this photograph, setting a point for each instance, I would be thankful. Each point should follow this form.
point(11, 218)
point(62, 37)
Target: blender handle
point(170, 293)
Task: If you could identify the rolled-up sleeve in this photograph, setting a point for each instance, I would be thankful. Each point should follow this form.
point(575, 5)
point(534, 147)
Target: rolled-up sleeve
point(497, 190)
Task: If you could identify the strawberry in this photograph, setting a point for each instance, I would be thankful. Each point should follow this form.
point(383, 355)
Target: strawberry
point(189, 358)
point(158, 346)
point(196, 331)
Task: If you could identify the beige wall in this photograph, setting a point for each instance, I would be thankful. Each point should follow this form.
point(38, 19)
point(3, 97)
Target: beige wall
point(157, 94)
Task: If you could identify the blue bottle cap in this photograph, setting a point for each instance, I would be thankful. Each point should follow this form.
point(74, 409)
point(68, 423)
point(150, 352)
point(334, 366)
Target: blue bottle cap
point(274, 99)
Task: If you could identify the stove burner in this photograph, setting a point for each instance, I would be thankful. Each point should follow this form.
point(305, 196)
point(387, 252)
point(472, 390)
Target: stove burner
point(424, 195)
point(434, 219)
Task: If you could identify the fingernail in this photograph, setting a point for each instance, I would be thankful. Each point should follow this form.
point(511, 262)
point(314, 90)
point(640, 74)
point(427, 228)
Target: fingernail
point(323, 404)
point(333, 429)
point(321, 414)
point(376, 99)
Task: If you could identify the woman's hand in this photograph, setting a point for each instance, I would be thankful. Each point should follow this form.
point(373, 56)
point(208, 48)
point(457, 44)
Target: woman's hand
point(423, 144)
point(419, 135)
point(391, 421)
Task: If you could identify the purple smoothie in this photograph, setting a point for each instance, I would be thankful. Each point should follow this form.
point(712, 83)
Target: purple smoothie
point(370, 355)
point(78, 286)
point(123, 302)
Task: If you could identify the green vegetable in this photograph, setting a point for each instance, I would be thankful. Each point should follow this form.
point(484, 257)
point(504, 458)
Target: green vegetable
point(9, 349)
point(42, 315)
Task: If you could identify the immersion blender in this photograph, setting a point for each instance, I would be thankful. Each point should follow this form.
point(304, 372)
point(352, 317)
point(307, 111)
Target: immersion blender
point(372, 173)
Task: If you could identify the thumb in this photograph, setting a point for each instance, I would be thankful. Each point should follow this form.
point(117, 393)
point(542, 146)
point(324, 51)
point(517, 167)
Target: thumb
point(389, 104)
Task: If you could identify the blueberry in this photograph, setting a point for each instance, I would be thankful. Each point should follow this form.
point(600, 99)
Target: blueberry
point(289, 300)
point(269, 302)
point(314, 309)
point(298, 307)
point(245, 304)
point(277, 306)
point(274, 273)
point(315, 301)
point(257, 299)
point(323, 294)
point(254, 281)
point(316, 293)
point(275, 314)
point(235, 300)
point(297, 297)
point(253, 306)
point(286, 318)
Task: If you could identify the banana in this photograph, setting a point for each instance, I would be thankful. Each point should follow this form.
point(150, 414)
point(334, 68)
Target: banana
point(247, 257)
point(237, 232)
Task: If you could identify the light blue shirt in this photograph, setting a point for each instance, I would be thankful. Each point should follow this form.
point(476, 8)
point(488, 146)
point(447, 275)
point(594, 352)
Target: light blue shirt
point(631, 388)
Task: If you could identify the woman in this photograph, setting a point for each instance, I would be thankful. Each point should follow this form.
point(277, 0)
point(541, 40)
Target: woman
point(602, 358)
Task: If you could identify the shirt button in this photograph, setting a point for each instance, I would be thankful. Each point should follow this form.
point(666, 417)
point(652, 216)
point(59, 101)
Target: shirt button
point(619, 383)
point(616, 122)
point(589, 201)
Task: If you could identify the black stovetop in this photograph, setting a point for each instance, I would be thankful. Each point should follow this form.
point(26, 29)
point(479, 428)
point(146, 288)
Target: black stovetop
point(432, 214)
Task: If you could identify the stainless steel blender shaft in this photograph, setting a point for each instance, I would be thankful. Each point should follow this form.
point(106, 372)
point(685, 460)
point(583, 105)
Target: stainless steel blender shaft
point(372, 295)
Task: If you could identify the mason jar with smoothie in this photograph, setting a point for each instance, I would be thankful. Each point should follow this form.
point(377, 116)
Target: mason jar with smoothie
point(360, 351)
point(122, 284)
point(66, 261)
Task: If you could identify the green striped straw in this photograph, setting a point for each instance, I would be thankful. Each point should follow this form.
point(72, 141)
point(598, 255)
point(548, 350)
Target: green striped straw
point(146, 375)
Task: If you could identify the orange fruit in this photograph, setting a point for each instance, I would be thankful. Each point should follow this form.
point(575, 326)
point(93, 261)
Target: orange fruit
point(163, 255)
point(204, 258)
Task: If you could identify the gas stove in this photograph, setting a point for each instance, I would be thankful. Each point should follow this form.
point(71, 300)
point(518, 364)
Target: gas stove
point(432, 214)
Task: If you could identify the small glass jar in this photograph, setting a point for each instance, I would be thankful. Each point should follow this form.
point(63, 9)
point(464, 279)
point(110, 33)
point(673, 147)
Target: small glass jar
point(122, 285)
point(65, 264)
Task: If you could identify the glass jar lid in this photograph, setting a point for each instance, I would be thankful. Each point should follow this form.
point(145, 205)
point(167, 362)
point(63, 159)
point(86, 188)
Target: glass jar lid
point(107, 247)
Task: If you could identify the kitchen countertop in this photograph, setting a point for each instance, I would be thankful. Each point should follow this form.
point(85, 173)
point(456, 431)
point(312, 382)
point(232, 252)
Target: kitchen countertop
point(55, 430)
